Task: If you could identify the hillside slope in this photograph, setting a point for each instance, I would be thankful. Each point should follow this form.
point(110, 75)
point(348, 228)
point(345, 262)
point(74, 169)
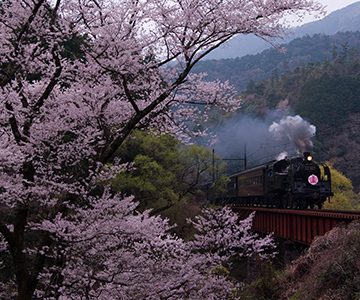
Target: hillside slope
point(301, 51)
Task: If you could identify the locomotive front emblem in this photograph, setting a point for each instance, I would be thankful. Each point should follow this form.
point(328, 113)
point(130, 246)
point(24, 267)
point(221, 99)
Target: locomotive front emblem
point(313, 179)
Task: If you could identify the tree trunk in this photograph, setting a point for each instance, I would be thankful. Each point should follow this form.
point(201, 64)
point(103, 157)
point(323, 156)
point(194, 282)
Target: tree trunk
point(26, 287)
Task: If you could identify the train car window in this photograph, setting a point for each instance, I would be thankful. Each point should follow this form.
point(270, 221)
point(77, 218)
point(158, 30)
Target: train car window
point(255, 180)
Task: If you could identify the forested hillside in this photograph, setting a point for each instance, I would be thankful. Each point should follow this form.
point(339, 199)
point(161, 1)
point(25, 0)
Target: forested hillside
point(272, 62)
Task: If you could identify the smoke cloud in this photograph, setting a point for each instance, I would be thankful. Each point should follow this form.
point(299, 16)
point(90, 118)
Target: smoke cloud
point(273, 137)
point(296, 130)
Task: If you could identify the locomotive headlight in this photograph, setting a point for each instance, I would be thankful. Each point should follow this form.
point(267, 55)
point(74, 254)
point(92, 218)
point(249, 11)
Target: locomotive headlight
point(309, 158)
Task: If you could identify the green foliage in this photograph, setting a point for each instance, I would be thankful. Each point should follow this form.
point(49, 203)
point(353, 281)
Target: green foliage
point(266, 284)
point(153, 179)
point(221, 185)
point(150, 182)
point(339, 202)
point(162, 174)
point(163, 148)
point(164, 171)
point(344, 196)
point(197, 159)
point(330, 99)
point(199, 164)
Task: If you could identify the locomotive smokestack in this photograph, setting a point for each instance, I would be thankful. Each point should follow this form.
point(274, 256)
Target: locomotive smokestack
point(306, 154)
point(295, 130)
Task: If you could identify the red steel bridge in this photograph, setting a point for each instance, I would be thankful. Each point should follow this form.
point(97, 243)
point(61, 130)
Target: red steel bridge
point(296, 225)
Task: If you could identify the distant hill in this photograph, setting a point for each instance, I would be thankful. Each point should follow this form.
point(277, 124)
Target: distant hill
point(272, 63)
point(345, 19)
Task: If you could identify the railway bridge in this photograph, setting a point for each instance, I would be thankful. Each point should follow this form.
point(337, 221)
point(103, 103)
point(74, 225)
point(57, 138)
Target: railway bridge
point(300, 226)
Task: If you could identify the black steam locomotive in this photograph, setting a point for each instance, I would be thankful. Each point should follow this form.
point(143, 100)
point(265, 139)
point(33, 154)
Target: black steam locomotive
point(295, 182)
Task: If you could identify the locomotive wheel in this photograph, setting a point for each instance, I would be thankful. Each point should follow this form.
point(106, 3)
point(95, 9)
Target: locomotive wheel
point(277, 202)
point(272, 202)
point(295, 202)
point(268, 202)
point(281, 202)
point(287, 199)
point(302, 204)
point(290, 199)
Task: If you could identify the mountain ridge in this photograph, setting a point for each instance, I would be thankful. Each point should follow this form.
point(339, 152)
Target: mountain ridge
point(271, 62)
point(342, 20)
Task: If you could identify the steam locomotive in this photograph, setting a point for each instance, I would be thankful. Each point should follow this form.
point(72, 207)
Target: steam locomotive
point(295, 182)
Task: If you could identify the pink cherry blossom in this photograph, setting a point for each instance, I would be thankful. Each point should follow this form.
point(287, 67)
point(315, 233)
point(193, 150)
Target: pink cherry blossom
point(76, 78)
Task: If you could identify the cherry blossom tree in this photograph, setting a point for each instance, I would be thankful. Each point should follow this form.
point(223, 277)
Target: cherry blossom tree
point(76, 78)
point(108, 252)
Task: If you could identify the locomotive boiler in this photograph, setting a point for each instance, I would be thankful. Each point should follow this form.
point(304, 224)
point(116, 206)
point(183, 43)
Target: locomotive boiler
point(295, 182)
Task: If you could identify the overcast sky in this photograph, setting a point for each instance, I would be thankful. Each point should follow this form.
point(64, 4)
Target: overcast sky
point(331, 5)
point(336, 4)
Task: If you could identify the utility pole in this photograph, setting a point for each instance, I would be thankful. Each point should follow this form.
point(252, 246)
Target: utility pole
point(245, 159)
point(230, 159)
point(213, 164)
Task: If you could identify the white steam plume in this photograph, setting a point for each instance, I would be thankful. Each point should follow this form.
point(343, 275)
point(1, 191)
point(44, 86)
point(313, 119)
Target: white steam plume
point(296, 130)
point(282, 155)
